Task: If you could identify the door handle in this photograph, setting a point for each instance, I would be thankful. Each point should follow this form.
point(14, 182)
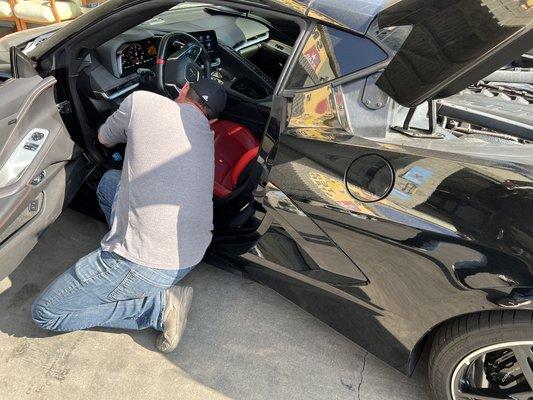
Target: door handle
point(22, 156)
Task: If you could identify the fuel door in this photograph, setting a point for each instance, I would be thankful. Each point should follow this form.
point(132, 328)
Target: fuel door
point(369, 178)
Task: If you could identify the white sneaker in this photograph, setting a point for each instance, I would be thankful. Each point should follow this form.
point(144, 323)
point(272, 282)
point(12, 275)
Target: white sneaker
point(178, 303)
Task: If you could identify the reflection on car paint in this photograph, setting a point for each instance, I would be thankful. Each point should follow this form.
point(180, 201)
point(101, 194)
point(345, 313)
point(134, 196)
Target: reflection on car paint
point(443, 233)
point(315, 108)
point(417, 175)
point(295, 242)
point(435, 60)
point(334, 189)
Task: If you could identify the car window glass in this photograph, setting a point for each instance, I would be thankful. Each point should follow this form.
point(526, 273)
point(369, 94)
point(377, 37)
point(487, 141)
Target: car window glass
point(390, 37)
point(330, 53)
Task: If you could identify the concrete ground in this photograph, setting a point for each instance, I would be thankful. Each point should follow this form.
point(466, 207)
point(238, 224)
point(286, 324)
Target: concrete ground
point(243, 341)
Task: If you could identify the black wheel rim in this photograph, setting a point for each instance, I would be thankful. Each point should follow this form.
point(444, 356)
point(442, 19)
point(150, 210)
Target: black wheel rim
point(502, 371)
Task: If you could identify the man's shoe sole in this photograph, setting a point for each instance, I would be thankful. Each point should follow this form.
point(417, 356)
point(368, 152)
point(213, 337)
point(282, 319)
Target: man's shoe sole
point(182, 300)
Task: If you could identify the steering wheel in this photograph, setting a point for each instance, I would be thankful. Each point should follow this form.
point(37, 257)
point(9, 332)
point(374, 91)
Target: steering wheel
point(174, 70)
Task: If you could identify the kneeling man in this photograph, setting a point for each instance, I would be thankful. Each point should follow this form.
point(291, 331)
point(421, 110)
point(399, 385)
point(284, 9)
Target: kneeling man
point(160, 212)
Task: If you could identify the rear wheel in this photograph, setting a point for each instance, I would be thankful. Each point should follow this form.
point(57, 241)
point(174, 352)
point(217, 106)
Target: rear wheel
point(483, 356)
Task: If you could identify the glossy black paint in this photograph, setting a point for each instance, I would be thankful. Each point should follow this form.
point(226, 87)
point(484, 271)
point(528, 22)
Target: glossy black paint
point(451, 44)
point(452, 236)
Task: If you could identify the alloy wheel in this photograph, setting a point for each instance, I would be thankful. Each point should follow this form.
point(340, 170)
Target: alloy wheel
point(502, 371)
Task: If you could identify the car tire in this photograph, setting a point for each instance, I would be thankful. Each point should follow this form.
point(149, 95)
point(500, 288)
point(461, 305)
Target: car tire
point(459, 344)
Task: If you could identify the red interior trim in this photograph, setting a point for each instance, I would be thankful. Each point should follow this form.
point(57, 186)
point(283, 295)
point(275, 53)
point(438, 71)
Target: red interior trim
point(220, 191)
point(242, 164)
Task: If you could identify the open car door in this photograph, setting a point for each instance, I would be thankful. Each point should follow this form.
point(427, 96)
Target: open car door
point(40, 166)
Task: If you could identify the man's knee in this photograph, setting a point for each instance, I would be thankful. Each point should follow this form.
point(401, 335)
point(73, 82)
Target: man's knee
point(45, 316)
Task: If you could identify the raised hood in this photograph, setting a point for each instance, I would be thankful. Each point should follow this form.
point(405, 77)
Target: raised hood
point(441, 46)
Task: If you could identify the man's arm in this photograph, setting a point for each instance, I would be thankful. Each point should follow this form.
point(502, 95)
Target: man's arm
point(114, 130)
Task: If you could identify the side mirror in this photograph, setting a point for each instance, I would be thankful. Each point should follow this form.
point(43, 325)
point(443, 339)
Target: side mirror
point(21, 65)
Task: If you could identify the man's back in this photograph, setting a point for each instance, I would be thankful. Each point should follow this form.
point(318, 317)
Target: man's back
point(163, 210)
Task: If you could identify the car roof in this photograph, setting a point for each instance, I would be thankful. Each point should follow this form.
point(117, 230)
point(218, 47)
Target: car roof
point(356, 15)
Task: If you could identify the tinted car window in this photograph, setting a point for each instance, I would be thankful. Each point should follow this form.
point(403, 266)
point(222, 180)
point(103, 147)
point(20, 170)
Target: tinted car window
point(331, 53)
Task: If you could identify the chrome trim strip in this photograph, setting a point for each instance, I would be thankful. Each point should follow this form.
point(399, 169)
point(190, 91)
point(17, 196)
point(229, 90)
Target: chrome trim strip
point(174, 86)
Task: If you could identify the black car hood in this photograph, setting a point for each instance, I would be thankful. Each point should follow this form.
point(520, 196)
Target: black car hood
point(451, 44)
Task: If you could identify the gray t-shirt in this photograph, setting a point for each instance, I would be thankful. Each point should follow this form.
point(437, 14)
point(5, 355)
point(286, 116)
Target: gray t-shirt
point(163, 208)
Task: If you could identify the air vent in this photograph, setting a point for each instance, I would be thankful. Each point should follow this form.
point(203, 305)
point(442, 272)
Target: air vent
point(250, 41)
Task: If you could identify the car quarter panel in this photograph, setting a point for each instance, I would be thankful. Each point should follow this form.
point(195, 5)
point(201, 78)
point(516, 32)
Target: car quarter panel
point(452, 236)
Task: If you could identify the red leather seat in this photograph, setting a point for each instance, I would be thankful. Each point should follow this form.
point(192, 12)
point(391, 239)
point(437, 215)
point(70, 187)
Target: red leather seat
point(235, 148)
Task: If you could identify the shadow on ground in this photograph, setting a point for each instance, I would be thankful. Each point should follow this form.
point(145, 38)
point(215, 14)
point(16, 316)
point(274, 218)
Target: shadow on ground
point(243, 341)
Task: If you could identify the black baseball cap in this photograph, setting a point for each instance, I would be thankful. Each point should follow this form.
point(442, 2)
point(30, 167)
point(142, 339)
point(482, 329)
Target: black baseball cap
point(212, 93)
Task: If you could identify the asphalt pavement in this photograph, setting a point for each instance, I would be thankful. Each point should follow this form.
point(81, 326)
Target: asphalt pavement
point(243, 341)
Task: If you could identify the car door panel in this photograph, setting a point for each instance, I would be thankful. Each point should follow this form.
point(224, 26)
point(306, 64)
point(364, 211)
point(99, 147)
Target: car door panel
point(45, 171)
point(436, 246)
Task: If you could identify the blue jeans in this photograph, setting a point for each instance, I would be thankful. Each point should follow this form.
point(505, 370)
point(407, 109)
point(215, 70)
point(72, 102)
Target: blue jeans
point(104, 289)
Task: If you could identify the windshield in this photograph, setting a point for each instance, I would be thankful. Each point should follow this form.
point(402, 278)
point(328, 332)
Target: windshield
point(29, 39)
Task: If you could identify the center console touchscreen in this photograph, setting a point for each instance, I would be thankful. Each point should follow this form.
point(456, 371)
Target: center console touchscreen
point(209, 41)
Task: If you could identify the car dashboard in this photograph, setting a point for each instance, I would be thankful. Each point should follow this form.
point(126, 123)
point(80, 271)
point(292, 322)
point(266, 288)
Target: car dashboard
point(143, 53)
point(123, 64)
point(127, 62)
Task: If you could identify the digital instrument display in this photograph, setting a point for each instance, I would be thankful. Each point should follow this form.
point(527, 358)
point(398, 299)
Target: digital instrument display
point(141, 54)
point(151, 50)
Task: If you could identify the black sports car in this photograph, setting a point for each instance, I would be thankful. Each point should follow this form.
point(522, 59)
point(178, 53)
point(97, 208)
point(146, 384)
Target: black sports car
point(347, 178)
